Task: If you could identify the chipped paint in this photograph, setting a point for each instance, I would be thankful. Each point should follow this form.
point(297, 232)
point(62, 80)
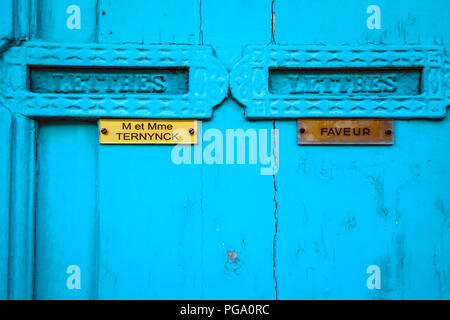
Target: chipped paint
point(232, 255)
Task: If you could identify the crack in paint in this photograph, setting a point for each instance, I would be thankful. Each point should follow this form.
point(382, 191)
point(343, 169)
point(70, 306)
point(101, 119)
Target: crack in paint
point(272, 23)
point(200, 34)
point(274, 244)
point(97, 21)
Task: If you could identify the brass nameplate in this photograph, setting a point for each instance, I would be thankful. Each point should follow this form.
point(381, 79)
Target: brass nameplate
point(345, 131)
point(148, 131)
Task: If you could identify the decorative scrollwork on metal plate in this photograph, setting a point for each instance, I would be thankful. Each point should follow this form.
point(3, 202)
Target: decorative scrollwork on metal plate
point(59, 94)
point(363, 82)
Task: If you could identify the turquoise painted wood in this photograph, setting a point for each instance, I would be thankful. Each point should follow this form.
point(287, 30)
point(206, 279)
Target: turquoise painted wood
point(264, 219)
point(5, 173)
point(67, 172)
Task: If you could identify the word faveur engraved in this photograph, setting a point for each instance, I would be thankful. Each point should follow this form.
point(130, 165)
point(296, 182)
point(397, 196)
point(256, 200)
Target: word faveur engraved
point(109, 81)
point(345, 131)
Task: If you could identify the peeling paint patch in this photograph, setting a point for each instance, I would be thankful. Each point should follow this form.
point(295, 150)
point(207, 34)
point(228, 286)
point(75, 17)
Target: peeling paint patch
point(233, 263)
point(232, 255)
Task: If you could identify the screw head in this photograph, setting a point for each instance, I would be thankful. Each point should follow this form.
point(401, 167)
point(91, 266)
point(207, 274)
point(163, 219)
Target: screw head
point(302, 130)
point(104, 131)
point(388, 132)
point(191, 130)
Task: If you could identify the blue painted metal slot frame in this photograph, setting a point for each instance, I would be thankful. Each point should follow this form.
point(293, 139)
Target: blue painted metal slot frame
point(208, 81)
point(250, 86)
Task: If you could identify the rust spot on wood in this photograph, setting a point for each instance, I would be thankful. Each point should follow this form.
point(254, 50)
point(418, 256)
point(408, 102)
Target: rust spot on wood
point(232, 255)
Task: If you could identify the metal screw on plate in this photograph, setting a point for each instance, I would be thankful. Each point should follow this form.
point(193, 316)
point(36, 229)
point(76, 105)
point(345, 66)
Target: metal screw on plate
point(191, 131)
point(104, 131)
point(388, 132)
point(302, 130)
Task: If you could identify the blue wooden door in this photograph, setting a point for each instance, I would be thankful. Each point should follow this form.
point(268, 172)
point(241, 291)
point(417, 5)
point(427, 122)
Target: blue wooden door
point(256, 218)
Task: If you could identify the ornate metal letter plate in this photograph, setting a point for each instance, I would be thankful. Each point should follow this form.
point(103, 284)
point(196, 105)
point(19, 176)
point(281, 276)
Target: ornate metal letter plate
point(342, 82)
point(123, 81)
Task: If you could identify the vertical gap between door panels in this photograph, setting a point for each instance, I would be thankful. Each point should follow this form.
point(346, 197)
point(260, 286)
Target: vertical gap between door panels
point(96, 253)
point(10, 216)
point(35, 169)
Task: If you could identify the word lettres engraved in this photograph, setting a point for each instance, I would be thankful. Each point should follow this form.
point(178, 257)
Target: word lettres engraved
point(109, 81)
point(344, 81)
point(374, 20)
point(74, 20)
